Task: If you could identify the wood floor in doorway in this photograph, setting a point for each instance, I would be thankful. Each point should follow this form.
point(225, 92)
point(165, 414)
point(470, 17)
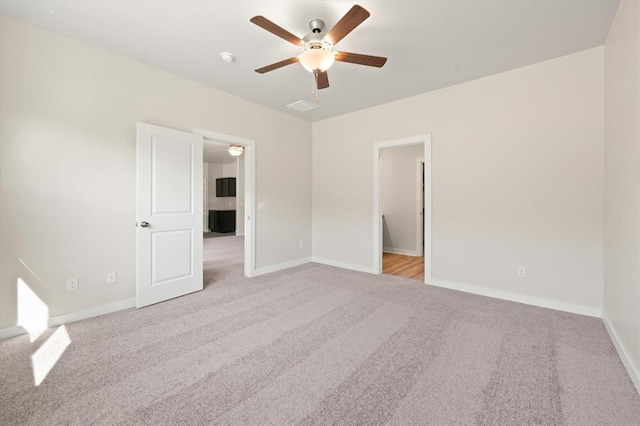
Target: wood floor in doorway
point(403, 266)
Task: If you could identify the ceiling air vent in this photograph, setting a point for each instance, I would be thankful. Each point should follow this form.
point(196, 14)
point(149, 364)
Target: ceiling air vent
point(302, 106)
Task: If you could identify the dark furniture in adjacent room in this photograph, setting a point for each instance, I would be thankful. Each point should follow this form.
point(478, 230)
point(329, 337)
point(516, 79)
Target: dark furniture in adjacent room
point(222, 221)
point(226, 187)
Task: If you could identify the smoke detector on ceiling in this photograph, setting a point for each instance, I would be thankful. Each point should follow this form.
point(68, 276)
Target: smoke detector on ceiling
point(227, 57)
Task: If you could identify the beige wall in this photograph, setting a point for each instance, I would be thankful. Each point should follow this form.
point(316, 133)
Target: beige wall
point(622, 181)
point(399, 198)
point(517, 169)
point(68, 133)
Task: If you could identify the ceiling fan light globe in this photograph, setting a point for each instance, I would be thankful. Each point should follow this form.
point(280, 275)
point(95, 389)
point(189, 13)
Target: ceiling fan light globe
point(317, 59)
point(236, 151)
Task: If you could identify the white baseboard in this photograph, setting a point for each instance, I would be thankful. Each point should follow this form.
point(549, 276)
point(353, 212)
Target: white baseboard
point(590, 311)
point(281, 266)
point(343, 265)
point(92, 312)
point(8, 332)
point(108, 308)
point(623, 353)
point(400, 251)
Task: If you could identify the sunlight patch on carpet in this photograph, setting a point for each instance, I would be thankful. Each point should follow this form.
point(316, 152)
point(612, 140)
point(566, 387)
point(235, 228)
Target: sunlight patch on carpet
point(45, 358)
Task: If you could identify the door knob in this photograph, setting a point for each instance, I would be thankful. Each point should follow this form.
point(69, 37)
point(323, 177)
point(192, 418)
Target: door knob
point(144, 224)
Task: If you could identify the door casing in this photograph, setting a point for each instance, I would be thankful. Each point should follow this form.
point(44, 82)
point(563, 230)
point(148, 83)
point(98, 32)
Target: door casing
point(249, 193)
point(377, 199)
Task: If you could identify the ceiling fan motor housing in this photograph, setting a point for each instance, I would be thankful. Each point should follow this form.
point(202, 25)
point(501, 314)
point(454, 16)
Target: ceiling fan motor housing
point(316, 25)
point(316, 34)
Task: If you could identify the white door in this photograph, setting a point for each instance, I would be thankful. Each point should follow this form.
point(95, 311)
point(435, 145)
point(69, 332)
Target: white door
point(169, 214)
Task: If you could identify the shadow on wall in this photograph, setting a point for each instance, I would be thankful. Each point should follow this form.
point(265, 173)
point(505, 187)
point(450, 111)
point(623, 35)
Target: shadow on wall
point(386, 234)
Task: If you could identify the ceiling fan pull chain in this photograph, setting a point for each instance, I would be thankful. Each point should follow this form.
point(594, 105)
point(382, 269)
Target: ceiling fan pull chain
point(314, 92)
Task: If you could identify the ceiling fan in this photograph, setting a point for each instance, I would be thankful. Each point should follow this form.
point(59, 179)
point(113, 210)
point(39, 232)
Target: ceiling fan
point(317, 50)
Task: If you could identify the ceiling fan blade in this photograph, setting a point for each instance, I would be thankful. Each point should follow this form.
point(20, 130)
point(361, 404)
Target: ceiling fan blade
point(263, 22)
point(322, 79)
point(356, 58)
point(277, 65)
point(354, 17)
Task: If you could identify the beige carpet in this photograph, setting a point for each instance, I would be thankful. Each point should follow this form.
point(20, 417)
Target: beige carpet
point(320, 345)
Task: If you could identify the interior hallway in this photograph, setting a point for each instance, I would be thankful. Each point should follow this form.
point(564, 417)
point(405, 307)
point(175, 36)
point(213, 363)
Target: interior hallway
point(403, 266)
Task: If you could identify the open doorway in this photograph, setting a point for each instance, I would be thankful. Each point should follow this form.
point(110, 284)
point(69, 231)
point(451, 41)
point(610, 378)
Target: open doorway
point(402, 232)
point(169, 212)
point(223, 209)
point(229, 244)
point(402, 211)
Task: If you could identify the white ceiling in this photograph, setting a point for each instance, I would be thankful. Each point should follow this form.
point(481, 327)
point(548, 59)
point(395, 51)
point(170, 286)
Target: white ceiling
point(216, 152)
point(430, 44)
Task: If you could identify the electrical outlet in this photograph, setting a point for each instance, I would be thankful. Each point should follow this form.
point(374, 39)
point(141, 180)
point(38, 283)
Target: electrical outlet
point(522, 272)
point(72, 284)
point(301, 243)
point(111, 277)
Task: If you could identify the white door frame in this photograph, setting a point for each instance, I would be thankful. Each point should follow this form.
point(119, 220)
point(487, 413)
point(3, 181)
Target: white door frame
point(205, 197)
point(377, 199)
point(249, 193)
point(419, 195)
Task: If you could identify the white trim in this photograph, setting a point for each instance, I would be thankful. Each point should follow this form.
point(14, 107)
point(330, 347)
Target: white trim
point(377, 212)
point(428, 265)
point(573, 308)
point(401, 251)
point(377, 200)
point(96, 311)
point(249, 193)
point(92, 312)
point(343, 265)
point(205, 195)
point(8, 332)
point(623, 352)
point(419, 248)
point(281, 266)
